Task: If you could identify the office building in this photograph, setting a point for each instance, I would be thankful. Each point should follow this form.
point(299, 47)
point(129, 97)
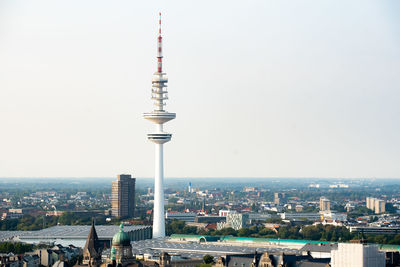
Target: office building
point(235, 221)
point(123, 197)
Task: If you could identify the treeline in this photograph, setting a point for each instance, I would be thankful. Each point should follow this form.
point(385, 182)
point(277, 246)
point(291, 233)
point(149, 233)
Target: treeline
point(16, 248)
point(30, 223)
point(312, 232)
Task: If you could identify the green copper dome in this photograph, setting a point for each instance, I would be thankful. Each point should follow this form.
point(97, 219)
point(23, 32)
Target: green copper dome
point(121, 238)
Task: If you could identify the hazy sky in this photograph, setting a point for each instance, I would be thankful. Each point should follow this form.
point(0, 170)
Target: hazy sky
point(260, 88)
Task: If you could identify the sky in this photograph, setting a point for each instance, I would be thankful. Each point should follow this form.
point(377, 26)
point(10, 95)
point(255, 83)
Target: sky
point(260, 88)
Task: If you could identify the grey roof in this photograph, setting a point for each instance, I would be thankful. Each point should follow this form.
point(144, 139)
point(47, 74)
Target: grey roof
point(319, 247)
point(240, 261)
point(6, 235)
point(308, 263)
point(78, 231)
point(197, 250)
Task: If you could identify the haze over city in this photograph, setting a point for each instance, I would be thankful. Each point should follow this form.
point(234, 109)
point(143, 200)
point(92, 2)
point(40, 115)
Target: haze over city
point(260, 88)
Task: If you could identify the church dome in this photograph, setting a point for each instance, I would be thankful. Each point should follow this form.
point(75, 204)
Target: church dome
point(121, 238)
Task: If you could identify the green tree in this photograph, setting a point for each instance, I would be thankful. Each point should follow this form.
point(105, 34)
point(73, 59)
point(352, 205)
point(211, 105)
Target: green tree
point(208, 259)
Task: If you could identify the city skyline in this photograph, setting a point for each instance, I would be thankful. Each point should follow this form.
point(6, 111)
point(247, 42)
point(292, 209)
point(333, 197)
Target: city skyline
point(302, 90)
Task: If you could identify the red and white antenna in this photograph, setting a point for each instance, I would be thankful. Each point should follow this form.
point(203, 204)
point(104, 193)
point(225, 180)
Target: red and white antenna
point(159, 53)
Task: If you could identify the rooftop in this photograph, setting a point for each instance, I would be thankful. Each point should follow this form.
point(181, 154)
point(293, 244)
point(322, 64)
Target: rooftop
point(196, 250)
point(73, 231)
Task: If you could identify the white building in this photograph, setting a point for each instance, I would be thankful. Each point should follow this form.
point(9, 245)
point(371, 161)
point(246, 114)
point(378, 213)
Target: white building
point(235, 221)
point(225, 213)
point(357, 255)
point(328, 215)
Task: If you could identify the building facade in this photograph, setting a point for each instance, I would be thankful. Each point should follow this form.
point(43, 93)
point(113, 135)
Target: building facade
point(278, 198)
point(123, 196)
point(357, 255)
point(181, 216)
point(235, 221)
point(380, 206)
point(324, 204)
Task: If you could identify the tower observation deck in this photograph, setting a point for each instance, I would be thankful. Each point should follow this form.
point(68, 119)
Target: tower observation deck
point(159, 116)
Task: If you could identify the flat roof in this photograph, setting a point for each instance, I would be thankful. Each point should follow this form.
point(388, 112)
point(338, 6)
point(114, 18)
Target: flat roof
point(78, 231)
point(6, 235)
point(196, 250)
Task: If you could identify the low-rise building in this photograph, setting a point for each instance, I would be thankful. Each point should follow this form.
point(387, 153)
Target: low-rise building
point(301, 216)
point(181, 216)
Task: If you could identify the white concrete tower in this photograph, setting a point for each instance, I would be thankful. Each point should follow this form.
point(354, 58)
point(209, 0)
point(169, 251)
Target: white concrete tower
point(159, 116)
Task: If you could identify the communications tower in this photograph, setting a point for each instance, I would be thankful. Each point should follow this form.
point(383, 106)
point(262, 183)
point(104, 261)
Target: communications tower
point(159, 116)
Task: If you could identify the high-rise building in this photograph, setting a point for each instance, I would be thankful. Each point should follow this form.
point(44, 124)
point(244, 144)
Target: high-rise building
point(324, 204)
point(368, 202)
point(123, 196)
point(159, 116)
point(379, 206)
point(279, 198)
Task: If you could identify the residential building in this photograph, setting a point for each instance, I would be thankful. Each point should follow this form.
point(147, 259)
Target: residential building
point(123, 196)
point(375, 204)
point(324, 204)
point(370, 203)
point(379, 206)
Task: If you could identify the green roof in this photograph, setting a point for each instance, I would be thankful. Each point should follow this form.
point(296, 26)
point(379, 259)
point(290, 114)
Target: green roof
point(209, 238)
point(121, 238)
point(268, 240)
point(389, 247)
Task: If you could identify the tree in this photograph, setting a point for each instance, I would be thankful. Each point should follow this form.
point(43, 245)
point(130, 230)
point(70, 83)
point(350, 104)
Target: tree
point(208, 259)
point(244, 232)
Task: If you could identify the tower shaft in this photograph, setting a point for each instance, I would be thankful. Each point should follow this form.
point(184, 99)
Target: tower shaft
point(159, 218)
